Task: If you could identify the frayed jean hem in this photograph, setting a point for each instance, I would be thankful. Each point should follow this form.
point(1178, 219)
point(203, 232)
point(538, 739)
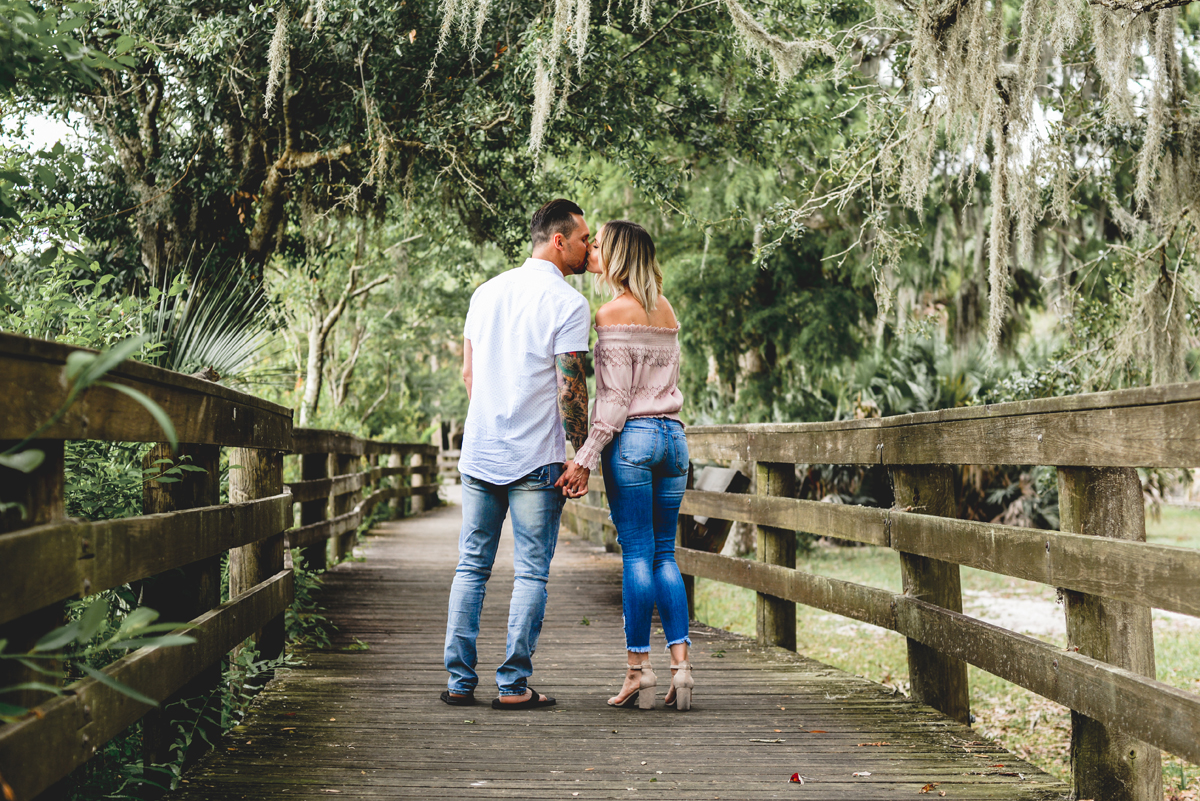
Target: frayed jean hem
point(641, 649)
point(685, 641)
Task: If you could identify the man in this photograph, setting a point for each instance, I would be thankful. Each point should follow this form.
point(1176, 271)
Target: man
point(524, 341)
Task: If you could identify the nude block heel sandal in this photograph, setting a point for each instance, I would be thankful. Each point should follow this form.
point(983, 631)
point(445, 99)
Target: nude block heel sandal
point(682, 683)
point(643, 698)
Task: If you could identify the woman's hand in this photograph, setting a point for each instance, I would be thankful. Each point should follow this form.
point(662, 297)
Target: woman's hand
point(574, 480)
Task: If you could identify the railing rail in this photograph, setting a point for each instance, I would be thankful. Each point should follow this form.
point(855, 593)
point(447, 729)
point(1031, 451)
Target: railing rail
point(1110, 576)
point(173, 552)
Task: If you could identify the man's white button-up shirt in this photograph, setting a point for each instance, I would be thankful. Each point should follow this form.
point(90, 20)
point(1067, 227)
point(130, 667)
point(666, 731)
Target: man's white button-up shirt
point(517, 323)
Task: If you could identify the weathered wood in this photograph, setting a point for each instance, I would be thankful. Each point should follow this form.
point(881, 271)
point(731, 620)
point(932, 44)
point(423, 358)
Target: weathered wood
point(594, 514)
point(711, 531)
point(1160, 576)
point(395, 462)
point(1106, 763)
point(418, 502)
point(69, 558)
point(314, 505)
point(1110, 694)
point(259, 474)
point(934, 678)
point(40, 494)
point(1145, 429)
point(316, 534)
point(40, 750)
point(858, 523)
point(343, 502)
point(179, 595)
point(318, 440)
point(391, 739)
point(775, 616)
point(31, 382)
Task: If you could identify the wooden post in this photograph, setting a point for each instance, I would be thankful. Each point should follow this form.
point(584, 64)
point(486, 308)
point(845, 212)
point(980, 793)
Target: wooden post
point(40, 493)
point(776, 546)
point(418, 480)
point(345, 464)
point(934, 678)
point(683, 538)
point(178, 596)
point(1107, 502)
point(398, 504)
point(314, 466)
point(259, 475)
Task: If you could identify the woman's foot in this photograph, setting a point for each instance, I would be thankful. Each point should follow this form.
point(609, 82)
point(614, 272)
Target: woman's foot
point(679, 695)
point(633, 683)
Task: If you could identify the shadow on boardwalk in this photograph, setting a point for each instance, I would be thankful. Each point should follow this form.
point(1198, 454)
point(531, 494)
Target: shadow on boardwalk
point(357, 724)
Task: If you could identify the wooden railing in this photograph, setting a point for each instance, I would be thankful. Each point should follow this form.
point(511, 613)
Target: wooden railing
point(172, 553)
point(1109, 575)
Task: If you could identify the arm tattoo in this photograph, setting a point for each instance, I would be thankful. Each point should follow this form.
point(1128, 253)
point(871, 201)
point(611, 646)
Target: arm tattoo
point(572, 396)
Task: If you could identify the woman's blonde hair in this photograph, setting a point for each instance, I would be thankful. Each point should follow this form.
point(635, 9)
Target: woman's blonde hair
point(628, 264)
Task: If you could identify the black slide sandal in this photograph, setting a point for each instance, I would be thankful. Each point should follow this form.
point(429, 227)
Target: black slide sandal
point(534, 702)
point(463, 700)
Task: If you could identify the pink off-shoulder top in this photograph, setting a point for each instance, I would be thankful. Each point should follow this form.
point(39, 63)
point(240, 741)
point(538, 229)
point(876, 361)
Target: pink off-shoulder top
point(637, 375)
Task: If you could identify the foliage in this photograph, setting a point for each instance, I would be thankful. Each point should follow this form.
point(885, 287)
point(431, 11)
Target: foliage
point(104, 480)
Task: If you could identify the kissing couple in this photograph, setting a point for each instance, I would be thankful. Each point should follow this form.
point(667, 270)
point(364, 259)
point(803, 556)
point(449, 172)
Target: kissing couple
point(524, 343)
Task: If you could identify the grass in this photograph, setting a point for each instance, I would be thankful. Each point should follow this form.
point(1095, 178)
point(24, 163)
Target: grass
point(1026, 724)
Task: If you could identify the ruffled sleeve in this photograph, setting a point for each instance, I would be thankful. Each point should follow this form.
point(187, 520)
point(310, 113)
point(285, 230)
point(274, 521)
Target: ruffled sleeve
point(613, 384)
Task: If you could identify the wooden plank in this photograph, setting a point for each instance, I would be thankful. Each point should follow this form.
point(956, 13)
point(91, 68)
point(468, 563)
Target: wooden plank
point(857, 523)
point(1161, 576)
point(775, 617)
point(1165, 435)
point(594, 514)
point(182, 594)
point(259, 475)
point(306, 536)
point(314, 468)
point(72, 558)
point(320, 440)
point(1115, 696)
point(935, 678)
point(1107, 763)
point(406, 470)
point(1149, 710)
point(31, 382)
point(318, 488)
point(405, 448)
point(40, 494)
point(40, 750)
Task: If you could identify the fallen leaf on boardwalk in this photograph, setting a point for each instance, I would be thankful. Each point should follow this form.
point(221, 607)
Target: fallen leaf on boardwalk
point(818, 731)
point(587, 769)
point(863, 773)
point(929, 788)
point(1000, 766)
point(860, 745)
point(331, 720)
point(797, 778)
point(942, 793)
point(777, 731)
point(9, 795)
point(760, 741)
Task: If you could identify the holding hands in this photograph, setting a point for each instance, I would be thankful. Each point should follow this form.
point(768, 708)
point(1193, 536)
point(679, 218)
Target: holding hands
point(574, 480)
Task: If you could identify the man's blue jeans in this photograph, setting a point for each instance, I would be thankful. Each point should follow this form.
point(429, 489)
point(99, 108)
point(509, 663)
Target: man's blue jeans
point(645, 474)
point(536, 506)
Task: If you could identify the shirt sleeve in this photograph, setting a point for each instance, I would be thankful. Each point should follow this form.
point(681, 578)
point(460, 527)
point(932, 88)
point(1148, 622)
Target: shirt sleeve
point(572, 334)
point(614, 382)
point(470, 324)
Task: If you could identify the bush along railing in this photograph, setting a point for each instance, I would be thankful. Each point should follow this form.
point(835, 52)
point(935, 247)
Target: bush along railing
point(168, 560)
point(1109, 576)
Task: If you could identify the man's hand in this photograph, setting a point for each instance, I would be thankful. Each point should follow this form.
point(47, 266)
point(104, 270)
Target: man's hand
point(574, 480)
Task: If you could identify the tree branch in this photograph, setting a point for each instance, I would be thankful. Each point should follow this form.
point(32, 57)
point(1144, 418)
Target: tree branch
point(1139, 6)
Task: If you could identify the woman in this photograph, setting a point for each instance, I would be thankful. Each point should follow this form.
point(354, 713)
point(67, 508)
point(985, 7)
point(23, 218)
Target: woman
point(636, 434)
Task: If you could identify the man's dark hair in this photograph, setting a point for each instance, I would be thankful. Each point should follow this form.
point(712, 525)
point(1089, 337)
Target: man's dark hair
point(553, 218)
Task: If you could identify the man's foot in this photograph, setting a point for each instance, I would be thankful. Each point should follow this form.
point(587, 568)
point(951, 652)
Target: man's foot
point(532, 699)
point(458, 699)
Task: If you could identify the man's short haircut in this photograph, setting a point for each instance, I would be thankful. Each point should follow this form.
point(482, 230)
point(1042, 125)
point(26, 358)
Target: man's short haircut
point(553, 218)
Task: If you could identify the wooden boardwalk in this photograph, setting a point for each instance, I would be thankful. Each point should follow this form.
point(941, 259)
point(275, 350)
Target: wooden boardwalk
point(367, 724)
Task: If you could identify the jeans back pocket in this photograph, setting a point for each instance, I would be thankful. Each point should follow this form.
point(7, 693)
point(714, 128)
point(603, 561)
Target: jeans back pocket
point(638, 445)
point(679, 449)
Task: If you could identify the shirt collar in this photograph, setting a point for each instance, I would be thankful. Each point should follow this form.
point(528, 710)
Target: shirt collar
point(543, 266)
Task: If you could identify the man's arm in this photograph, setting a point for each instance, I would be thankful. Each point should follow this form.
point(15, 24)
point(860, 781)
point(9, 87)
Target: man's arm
point(467, 366)
point(572, 396)
point(572, 406)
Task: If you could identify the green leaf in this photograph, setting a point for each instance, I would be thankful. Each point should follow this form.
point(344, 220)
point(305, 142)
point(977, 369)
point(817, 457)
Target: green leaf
point(93, 619)
point(191, 468)
point(107, 360)
point(11, 711)
point(25, 461)
point(3, 645)
point(33, 685)
point(77, 362)
point(154, 629)
point(36, 668)
point(123, 44)
point(167, 641)
point(63, 635)
point(156, 411)
point(107, 680)
point(137, 620)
